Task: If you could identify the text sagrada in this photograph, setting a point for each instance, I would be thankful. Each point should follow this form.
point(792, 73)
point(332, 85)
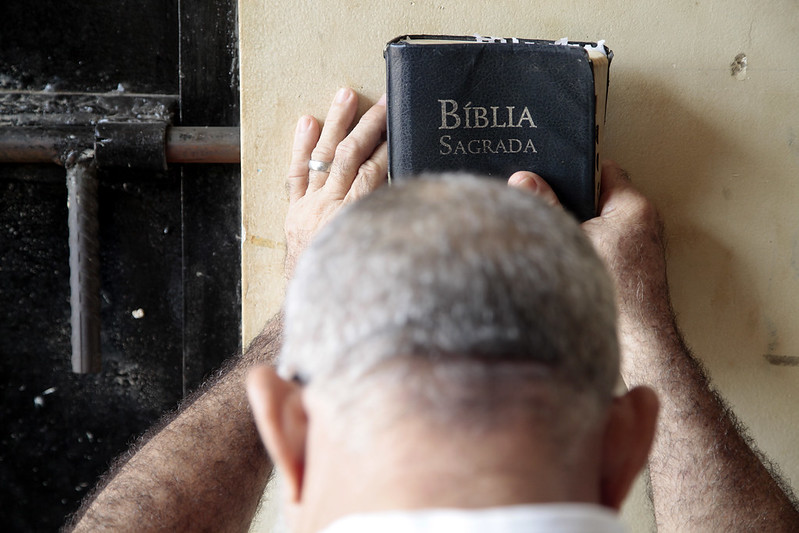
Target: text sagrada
point(454, 117)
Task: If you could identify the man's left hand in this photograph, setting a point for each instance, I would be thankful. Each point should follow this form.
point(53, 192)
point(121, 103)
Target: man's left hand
point(358, 166)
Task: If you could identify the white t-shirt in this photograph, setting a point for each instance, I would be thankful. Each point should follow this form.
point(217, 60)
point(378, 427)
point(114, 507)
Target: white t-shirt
point(558, 517)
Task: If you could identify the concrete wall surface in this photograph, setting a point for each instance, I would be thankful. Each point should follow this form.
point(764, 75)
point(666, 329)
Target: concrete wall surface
point(716, 148)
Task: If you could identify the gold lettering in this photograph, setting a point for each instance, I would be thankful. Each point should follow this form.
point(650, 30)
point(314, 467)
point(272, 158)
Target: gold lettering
point(477, 117)
point(494, 123)
point(449, 109)
point(510, 109)
point(449, 146)
point(480, 117)
point(445, 149)
point(526, 116)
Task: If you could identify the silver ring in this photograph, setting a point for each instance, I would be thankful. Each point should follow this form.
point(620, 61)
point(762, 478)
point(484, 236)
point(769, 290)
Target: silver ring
point(320, 166)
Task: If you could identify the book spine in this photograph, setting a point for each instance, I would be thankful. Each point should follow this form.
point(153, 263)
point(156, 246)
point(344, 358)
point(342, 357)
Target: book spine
point(396, 125)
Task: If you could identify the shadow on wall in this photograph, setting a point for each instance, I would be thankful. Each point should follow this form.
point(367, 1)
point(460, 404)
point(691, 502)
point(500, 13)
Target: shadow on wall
point(670, 150)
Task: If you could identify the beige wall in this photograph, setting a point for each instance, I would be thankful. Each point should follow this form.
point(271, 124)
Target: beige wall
point(718, 153)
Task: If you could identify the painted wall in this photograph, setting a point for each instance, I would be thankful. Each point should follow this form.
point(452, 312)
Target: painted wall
point(716, 148)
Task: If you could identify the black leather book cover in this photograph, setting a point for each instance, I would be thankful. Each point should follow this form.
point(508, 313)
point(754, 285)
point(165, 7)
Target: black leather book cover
point(494, 108)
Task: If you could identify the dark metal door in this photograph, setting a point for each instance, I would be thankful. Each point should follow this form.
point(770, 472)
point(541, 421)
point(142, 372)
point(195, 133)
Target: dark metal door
point(169, 244)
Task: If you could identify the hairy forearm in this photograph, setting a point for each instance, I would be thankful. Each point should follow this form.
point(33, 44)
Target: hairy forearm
point(705, 474)
point(205, 469)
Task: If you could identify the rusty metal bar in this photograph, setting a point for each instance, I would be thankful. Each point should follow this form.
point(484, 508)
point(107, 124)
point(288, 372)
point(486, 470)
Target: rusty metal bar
point(51, 144)
point(84, 261)
point(33, 144)
point(202, 145)
point(82, 149)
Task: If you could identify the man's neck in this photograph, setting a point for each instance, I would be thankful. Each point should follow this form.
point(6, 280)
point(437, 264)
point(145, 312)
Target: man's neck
point(424, 469)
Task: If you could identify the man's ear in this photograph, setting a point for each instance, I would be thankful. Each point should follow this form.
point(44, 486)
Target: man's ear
point(282, 423)
point(629, 434)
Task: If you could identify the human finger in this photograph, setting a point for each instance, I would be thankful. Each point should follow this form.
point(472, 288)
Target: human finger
point(623, 211)
point(306, 135)
point(338, 120)
point(535, 184)
point(616, 190)
point(371, 175)
point(357, 148)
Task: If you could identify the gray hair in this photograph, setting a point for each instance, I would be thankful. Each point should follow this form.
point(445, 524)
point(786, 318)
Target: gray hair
point(453, 271)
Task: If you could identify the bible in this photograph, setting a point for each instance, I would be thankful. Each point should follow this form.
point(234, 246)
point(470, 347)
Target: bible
point(494, 106)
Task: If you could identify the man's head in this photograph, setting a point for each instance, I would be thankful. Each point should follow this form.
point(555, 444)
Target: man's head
point(452, 316)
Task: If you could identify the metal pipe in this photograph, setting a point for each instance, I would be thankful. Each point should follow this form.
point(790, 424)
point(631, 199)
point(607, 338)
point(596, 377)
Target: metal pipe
point(35, 144)
point(50, 144)
point(137, 144)
point(84, 261)
point(203, 145)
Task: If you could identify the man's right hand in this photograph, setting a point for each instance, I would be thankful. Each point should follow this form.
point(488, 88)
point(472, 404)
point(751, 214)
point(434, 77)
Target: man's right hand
point(628, 236)
point(704, 474)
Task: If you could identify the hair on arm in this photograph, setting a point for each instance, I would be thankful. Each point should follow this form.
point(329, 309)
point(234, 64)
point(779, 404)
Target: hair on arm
point(201, 467)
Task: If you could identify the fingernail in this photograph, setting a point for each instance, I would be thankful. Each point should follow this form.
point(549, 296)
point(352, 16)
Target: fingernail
point(529, 183)
point(524, 182)
point(382, 100)
point(304, 124)
point(342, 95)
